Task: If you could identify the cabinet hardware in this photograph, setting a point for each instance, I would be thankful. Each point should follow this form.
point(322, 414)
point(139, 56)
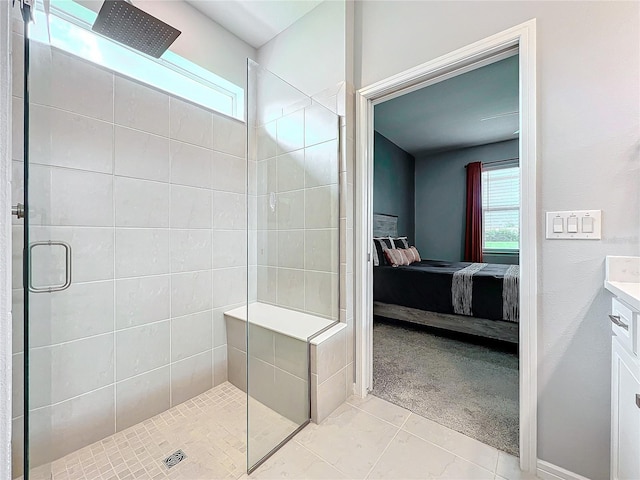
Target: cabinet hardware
point(616, 320)
point(638, 400)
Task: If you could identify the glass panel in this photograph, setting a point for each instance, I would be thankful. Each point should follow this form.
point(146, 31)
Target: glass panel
point(149, 193)
point(294, 257)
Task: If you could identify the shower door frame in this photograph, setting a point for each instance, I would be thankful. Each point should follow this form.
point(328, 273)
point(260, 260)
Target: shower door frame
point(6, 350)
point(522, 38)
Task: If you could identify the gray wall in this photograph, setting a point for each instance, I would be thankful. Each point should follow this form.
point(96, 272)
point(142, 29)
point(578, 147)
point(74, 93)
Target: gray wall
point(588, 115)
point(393, 184)
point(441, 198)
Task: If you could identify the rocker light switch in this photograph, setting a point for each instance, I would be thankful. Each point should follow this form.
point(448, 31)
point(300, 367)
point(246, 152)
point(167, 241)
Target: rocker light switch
point(558, 225)
point(574, 225)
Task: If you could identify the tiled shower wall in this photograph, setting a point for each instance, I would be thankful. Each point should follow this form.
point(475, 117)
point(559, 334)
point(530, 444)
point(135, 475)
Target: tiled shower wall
point(296, 156)
point(149, 192)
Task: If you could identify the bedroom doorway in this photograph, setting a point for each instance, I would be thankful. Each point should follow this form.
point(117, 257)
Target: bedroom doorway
point(466, 288)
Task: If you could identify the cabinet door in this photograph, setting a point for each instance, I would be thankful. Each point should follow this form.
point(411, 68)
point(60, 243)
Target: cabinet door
point(625, 415)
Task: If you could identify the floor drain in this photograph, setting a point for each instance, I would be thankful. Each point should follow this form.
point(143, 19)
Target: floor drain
point(174, 459)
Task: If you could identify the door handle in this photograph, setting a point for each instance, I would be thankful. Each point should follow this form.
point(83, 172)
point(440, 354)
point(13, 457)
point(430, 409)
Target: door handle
point(616, 320)
point(67, 271)
point(638, 400)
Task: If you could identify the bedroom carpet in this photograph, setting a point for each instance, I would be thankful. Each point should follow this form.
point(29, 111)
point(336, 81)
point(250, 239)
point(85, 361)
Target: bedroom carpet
point(468, 387)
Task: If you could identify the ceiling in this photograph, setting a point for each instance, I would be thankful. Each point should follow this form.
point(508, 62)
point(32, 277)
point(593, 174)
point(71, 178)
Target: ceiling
point(475, 108)
point(255, 22)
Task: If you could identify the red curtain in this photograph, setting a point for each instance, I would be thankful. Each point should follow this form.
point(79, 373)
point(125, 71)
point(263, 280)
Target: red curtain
point(473, 234)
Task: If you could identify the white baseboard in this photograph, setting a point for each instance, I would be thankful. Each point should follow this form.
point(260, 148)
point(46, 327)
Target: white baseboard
point(549, 471)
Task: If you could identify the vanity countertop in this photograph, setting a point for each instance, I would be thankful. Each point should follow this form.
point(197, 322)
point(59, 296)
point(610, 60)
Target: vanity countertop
point(623, 279)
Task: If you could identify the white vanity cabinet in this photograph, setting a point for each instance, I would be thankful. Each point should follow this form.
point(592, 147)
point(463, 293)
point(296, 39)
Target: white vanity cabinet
point(625, 413)
point(623, 280)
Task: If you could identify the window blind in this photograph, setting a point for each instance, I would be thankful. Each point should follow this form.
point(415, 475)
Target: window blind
point(501, 208)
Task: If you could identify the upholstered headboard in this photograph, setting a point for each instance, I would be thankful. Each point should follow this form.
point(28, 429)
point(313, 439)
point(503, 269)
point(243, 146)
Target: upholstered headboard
point(385, 225)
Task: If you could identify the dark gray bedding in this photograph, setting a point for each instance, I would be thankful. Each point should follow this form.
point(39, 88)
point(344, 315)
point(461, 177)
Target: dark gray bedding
point(435, 286)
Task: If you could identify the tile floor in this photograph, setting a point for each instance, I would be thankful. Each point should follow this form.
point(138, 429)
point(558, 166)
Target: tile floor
point(210, 429)
point(368, 438)
point(375, 439)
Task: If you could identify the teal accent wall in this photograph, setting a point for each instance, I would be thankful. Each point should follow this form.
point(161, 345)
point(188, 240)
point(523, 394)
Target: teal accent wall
point(394, 184)
point(440, 200)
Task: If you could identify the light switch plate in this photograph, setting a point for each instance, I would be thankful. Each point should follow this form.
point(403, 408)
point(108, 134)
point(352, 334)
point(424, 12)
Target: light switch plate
point(574, 217)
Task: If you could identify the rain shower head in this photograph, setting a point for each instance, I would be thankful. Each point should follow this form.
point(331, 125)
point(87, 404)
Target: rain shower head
point(125, 23)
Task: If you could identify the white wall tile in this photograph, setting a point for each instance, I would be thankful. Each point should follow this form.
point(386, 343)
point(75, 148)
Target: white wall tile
point(291, 173)
point(190, 335)
point(266, 141)
point(290, 130)
point(191, 123)
point(141, 155)
point(70, 140)
point(321, 164)
point(237, 368)
point(229, 286)
point(140, 107)
point(267, 284)
point(190, 250)
point(266, 212)
point(321, 207)
point(141, 300)
point(71, 197)
point(291, 248)
point(267, 176)
point(291, 210)
point(190, 293)
point(141, 252)
point(229, 135)
point(321, 293)
point(72, 424)
point(331, 355)
point(142, 397)
point(267, 246)
point(320, 125)
point(291, 291)
point(70, 369)
point(17, 64)
point(92, 252)
point(229, 173)
point(321, 250)
point(141, 203)
point(291, 397)
point(191, 165)
point(229, 211)
point(190, 207)
point(62, 80)
point(219, 326)
point(191, 377)
point(141, 349)
point(229, 248)
point(17, 129)
point(236, 333)
point(83, 310)
point(291, 355)
point(17, 382)
point(220, 365)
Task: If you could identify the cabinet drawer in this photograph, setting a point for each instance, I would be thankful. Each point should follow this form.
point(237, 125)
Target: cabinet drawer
point(624, 324)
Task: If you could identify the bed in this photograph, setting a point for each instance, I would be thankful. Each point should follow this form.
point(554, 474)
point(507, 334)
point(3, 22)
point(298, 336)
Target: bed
point(474, 298)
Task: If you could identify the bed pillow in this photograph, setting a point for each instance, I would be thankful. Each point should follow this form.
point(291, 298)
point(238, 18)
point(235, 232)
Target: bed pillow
point(380, 244)
point(411, 255)
point(401, 242)
point(416, 254)
point(396, 257)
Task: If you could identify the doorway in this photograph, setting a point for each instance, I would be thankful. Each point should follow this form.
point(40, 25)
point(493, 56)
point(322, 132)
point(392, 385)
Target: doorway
point(521, 38)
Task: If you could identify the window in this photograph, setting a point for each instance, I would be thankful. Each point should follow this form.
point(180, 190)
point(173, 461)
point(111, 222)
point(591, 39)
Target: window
point(69, 28)
point(501, 207)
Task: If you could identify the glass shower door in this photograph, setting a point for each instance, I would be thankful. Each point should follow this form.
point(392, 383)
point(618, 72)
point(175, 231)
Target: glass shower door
point(293, 254)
